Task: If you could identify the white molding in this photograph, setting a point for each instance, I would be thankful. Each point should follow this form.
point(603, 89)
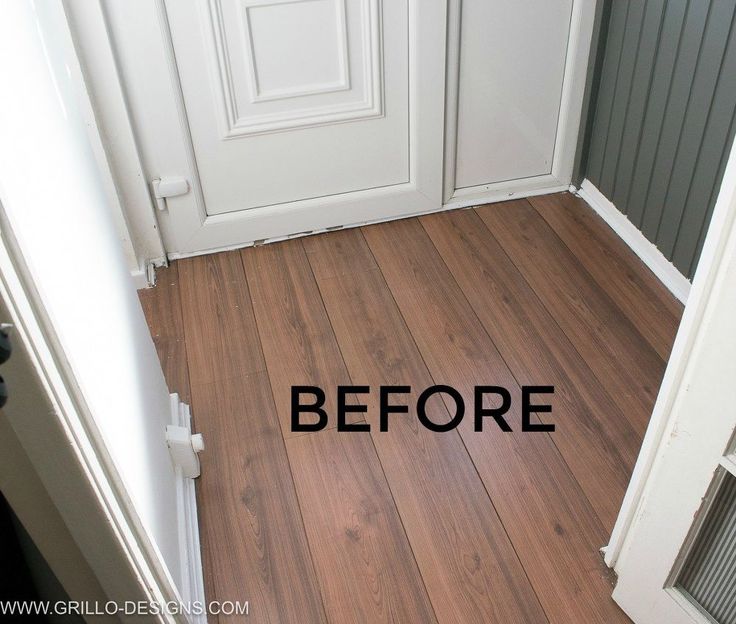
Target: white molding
point(688, 434)
point(235, 123)
point(582, 20)
point(258, 94)
point(661, 422)
point(192, 582)
point(667, 273)
point(452, 97)
point(111, 126)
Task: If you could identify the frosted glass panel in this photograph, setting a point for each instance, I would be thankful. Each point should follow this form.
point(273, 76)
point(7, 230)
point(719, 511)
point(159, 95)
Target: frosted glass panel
point(709, 573)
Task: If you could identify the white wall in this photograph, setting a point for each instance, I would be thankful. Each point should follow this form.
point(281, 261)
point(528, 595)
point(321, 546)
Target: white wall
point(54, 200)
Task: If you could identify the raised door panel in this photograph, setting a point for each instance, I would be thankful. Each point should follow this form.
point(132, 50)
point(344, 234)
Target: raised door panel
point(286, 64)
point(292, 100)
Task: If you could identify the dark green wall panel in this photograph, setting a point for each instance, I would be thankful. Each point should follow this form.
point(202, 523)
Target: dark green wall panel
point(664, 117)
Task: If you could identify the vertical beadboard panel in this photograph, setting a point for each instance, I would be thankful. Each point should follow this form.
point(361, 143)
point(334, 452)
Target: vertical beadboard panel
point(664, 117)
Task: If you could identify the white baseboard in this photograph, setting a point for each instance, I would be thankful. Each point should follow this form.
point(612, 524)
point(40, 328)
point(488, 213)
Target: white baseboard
point(192, 581)
point(139, 279)
point(667, 273)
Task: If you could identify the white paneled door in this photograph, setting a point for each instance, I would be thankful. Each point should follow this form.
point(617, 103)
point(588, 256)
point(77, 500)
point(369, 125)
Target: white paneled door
point(292, 116)
point(291, 100)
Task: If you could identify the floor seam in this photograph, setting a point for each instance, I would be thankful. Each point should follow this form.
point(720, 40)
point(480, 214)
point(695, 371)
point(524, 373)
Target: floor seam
point(592, 277)
point(370, 435)
point(505, 361)
point(281, 435)
point(462, 441)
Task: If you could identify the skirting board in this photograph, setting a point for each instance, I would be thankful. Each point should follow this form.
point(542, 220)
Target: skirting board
point(667, 273)
point(192, 582)
point(139, 279)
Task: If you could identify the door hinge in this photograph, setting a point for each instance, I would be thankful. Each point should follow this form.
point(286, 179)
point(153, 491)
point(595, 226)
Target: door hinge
point(168, 187)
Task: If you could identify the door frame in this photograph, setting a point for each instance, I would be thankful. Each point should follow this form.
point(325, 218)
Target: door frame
point(51, 411)
point(56, 430)
point(693, 386)
point(106, 65)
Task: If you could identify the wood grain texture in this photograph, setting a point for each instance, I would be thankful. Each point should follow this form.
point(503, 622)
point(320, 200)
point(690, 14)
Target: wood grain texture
point(364, 563)
point(610, 344)
point(635, 290)
point(408, 525)
point(556, 537)
point(362, 557)
point(469, 568)
point(162, 307)
point(248, 506)
point(597, 442)
point(297, 338)
point(222, 338)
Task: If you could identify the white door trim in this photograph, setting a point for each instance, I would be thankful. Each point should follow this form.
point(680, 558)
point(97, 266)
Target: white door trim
point(59, 403)
point(69, 454)
point(112, 136)
point(711, 267)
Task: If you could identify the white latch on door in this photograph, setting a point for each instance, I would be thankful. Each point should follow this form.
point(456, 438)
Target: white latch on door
point(168, 187)
point(184, 447)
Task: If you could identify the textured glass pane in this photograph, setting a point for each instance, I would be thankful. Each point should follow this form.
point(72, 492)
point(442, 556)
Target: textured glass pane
point(709, 573)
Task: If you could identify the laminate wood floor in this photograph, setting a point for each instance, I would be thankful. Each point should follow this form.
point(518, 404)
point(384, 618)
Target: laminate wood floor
point(410, 525)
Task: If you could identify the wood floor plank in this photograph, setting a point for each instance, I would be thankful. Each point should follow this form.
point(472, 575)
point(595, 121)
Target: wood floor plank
point(297, 338)
point(393, 526)
point(249, 508)
point(595, 439)
point(469, 568)
point(633, 287)
point(610, 344)
point(222, 338)
point(344, 256)
point(545, 513)
point(362, 557)
point(364, 563)
point(162, 307)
